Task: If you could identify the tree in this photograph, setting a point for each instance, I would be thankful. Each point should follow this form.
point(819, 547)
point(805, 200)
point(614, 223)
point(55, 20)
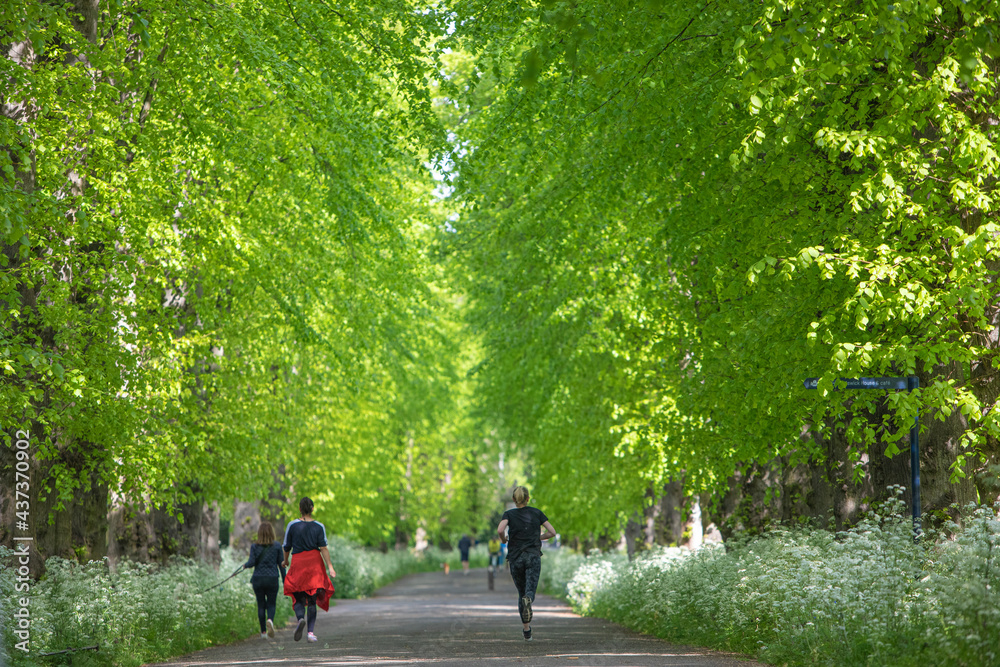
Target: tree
point(683, 211)
point(213, 270)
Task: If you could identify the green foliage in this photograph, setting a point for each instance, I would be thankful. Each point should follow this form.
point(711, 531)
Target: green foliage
point(869, 596)
point(227, 260)
point(215, 220)
point(673, 213)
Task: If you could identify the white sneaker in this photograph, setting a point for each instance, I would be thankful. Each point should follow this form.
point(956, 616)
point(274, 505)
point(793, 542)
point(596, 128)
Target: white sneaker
point(270, 628)
point(311, 637)
point(263, 635)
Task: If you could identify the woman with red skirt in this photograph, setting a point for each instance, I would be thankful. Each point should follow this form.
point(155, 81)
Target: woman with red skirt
point(306, 582)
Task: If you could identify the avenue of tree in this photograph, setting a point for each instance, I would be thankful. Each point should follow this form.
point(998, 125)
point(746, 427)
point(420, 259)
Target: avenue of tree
point(215, 284)
point(675, 212)
point(387, 253)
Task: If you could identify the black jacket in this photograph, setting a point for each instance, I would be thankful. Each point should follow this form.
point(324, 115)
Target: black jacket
point(265, 559)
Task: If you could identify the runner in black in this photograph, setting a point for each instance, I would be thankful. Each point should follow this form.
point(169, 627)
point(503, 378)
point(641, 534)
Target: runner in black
point(464, 545)
point(521, 529)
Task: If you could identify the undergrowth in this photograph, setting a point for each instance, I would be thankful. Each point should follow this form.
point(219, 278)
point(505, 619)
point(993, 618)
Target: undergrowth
point(866, 596)
point(145, 613)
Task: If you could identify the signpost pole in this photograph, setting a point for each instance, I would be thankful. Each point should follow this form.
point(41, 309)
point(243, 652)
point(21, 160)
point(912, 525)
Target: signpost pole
point(912, 383)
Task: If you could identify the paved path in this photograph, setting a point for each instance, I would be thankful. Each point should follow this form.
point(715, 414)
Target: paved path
point(454, 621)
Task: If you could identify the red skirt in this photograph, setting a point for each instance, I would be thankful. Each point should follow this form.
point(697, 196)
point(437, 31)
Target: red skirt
point(307, 574)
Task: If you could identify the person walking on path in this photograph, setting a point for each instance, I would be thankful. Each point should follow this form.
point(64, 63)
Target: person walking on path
point(494, 549)
point(307, 583)
point(521, 529)
point(266, 560)
point(464, 545)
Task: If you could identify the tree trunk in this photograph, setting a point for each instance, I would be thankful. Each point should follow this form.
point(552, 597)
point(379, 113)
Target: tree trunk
point(246, 521)
point(651, 520)
point(984, 376)
point(146, 536)
point(940, 447)
point(752, 502)
point(633, 536)
point(985, 382)
point(17, 107)
point(208, 547)
point(279, 503)
point(762, 495)
point(177, 535)
point(131, 535)
point(74, 531)
point(671, 510)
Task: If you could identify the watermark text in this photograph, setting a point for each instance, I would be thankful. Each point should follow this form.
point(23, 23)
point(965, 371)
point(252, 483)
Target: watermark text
point(22, 539)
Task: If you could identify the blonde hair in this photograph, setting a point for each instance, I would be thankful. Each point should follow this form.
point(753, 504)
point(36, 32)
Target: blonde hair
point(521, 496)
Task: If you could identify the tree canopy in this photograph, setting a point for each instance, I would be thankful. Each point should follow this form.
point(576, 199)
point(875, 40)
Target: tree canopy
point(215, 224)
point(674, 213)
point(364, 250)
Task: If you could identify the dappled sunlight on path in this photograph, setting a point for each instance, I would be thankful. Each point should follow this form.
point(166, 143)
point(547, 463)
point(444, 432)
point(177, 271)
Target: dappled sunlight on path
point(455, 621)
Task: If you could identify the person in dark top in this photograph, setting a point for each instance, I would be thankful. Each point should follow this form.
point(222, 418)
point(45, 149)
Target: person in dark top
point(464, 545)
point(265, 559)
point(521, 530)
point(307, 583)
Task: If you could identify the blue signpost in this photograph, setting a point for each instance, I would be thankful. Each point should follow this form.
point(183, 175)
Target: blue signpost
point(909, 384)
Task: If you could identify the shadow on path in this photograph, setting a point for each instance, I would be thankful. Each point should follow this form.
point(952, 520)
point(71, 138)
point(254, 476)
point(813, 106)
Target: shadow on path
point(454, 621)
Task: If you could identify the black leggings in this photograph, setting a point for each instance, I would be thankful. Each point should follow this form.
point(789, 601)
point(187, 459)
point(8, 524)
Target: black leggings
point(525, 570)
point(303, 601)
point(266, 590)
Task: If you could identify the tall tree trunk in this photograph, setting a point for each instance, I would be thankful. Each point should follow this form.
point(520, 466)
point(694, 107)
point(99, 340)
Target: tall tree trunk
point(208, 547)
point(130, 530)
point(71, 527)
point(280, 503)
point(650, 521)
point(246, 521)
point(762, 495)
point(248, 515)
point(984, 379)
point(671, 530)
point(940, 447)
point(984, 374)
point(179, 534)
point(17, 106)
point(633, 536)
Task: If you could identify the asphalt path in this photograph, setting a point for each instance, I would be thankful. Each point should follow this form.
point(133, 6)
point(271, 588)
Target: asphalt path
point(455, 621)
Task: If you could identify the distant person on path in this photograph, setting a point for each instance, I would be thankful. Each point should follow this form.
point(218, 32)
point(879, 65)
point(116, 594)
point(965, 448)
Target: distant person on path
point(464, 545)
point(524, 551)
point(266, 560)
point(307, 583)
point(494, 547)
